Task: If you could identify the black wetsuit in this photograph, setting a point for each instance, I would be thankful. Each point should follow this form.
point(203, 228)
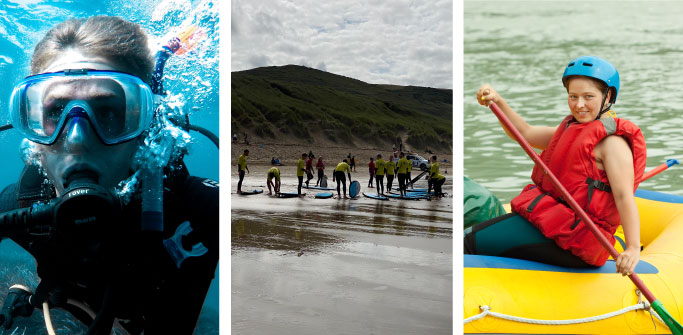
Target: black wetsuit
point(341, 179)
point(513, 236)
point(132, 274)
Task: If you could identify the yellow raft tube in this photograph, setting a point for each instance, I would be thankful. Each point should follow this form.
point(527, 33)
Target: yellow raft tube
point(555, 294)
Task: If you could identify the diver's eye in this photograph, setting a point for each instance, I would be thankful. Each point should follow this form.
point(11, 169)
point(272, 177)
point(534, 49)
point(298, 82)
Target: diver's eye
point(53, 108)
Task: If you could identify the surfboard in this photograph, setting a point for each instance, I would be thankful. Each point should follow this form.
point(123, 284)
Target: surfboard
point(251, 192)
point(354, 189)
point(324, 195)
point(375, 196)
point(406, 197)
point(319, 188)
point(289, 195)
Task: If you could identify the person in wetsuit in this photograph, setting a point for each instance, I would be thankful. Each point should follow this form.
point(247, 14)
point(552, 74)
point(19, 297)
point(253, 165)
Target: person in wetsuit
point(436, 179)
point(241, 168)
point(309, 169)
point(379, 173)
point(117, 258)
point(273, 172)
point(340, 177)
point(300, 169)
point(371, 170)
point(321, 170)
point(390, 168)
point(402, 166)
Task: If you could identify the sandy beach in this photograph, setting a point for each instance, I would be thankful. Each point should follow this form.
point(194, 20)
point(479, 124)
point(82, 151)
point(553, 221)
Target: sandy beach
point(334, 266)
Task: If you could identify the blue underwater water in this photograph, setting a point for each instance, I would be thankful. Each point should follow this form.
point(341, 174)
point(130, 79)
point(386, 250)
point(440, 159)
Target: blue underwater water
point(191, 80)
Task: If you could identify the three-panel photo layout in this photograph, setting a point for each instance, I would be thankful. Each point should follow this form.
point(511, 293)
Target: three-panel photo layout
point(394, 167)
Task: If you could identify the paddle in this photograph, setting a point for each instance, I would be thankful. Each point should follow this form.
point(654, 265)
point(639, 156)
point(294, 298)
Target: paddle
point(675, 327)
point(669, 163)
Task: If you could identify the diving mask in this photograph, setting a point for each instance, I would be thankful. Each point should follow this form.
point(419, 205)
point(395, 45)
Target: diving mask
point(119, 106)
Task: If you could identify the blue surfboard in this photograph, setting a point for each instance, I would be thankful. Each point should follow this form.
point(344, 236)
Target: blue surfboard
point(375, 196)
point(319, 188)
point(251, 192)
point(406, 197)
point(354, 189)
point(324, 195)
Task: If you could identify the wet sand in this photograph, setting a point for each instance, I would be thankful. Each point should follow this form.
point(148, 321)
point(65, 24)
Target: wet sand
point(334, 266)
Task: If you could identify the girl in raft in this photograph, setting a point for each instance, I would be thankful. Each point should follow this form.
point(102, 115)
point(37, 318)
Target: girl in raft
point(589, 152)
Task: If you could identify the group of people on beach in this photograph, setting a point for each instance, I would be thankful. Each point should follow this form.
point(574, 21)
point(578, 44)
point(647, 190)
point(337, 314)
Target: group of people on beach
point(399, 169)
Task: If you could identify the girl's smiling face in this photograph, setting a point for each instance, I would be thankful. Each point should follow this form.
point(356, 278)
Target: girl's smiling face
point(584, 98)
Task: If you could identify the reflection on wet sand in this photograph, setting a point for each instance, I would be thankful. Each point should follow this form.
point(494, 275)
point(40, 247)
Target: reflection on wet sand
point(364, 266)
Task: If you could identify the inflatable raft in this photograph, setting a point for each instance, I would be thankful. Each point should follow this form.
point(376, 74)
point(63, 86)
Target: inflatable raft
point(568, 300)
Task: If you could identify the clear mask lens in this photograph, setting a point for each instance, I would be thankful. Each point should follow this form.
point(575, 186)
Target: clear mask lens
point(119, 106)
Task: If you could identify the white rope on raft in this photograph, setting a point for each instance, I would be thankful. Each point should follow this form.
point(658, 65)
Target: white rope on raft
point(487, 311)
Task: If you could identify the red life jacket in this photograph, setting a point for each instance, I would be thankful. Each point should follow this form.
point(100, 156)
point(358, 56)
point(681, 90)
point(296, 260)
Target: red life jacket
point(570, 157)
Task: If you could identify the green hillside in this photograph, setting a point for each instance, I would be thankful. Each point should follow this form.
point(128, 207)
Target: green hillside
point(299, 102)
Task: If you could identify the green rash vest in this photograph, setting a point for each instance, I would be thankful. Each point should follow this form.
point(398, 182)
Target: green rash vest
point(275, 172)
point(403, 165)
point(390, 166)
point(300, 168)
point(380, 166)
point(242, 162)
point(434, 172)
point(343, 167)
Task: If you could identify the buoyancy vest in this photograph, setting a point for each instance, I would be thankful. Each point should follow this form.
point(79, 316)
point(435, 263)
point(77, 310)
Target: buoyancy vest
point(570, 157)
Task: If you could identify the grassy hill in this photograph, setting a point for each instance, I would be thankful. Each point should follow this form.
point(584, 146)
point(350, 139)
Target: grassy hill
point(296, 102)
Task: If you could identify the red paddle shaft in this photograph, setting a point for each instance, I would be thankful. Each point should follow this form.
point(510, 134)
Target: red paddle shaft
point(567, 197)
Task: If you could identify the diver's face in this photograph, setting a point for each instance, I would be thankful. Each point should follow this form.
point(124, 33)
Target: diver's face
point(584, 99)
point(78, 150)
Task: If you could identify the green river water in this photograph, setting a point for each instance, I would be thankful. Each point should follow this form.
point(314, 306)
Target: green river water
point(521, 49)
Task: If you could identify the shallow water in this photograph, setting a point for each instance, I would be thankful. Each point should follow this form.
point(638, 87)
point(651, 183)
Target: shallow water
point(335, 266)
point(521, 49)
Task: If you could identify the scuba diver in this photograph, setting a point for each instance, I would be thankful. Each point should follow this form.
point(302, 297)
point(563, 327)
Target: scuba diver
point(142, 262)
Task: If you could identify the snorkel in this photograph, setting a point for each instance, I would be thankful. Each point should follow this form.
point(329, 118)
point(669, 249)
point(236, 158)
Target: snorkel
point(152, 176)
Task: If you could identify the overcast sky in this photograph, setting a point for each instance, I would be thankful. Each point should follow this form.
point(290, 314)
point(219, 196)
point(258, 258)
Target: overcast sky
point(397, 42)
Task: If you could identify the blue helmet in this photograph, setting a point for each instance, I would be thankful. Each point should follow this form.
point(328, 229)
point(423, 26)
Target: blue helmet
point(594, 67)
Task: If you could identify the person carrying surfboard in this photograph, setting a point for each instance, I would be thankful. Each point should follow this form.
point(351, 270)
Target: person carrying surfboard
point(599, 159)
point(241, 167)
point(340, 177)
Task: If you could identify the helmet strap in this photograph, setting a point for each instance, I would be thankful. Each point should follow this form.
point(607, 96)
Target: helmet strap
point(604, 109)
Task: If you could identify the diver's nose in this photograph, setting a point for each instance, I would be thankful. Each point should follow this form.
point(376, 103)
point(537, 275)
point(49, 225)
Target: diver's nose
point(78, 134)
